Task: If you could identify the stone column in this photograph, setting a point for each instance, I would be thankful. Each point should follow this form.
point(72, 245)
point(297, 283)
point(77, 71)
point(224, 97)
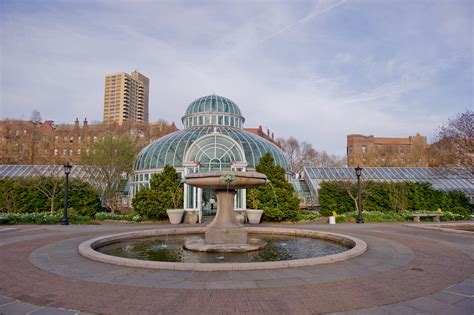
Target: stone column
point(225, 229)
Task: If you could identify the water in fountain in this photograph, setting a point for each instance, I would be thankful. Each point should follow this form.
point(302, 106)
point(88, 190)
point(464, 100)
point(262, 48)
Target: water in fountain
point(279, 247)
point(274, 193)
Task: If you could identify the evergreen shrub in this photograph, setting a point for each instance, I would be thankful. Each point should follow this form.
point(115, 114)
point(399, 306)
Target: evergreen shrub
point(22, 195)
point(165, 192)
point(277, 199)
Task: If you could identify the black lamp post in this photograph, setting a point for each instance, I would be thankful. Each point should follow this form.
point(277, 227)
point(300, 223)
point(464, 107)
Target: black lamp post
point(358, 170)
point(67, 170)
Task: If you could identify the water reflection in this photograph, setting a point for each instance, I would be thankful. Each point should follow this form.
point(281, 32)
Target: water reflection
point(170, 249)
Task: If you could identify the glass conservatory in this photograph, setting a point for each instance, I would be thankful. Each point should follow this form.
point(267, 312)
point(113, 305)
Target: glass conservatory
point(446, 179)
point(213, 139)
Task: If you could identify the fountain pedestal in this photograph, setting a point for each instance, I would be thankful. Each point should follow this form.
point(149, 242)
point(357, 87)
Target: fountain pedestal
point(225, 233)
point(225, 229)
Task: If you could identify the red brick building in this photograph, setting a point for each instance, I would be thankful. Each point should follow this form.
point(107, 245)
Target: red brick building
point(26, 142)
point(384, 151)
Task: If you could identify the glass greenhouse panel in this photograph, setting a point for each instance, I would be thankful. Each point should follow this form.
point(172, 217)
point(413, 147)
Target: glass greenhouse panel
point(441, 178)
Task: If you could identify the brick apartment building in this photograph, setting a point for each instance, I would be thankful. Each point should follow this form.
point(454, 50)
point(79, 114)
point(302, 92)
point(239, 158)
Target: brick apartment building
point(382, 151)
point(26, 142)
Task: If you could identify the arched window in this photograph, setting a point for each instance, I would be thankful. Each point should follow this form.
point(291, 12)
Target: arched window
point(215, 152)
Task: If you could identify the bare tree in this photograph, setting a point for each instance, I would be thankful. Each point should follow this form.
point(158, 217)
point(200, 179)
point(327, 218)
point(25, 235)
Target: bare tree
point(35, 117)
point(304, 154)
point(350, 186)
point(50, 186)
point(330, 160)
point(292, 149)
point(418, 155)
point(455, 142)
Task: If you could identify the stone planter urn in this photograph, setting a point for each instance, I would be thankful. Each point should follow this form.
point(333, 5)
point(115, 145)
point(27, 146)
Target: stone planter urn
point(175, 215)
point(254, 215)
point(240, 216)
point(191, 217)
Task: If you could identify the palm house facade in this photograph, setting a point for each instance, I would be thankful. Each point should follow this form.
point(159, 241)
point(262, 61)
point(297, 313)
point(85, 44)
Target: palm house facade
point(213, 139)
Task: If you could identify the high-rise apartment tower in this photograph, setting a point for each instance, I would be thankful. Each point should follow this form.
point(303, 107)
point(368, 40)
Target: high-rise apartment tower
point(126, 97)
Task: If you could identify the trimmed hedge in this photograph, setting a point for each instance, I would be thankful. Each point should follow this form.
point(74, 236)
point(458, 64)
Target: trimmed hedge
point(391, 197)
point(22, 195)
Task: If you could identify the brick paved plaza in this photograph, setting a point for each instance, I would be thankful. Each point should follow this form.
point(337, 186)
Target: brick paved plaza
point(406, 270)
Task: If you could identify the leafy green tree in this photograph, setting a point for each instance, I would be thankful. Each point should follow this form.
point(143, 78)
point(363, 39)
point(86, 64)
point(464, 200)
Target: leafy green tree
point(165, 192)
point(277, 199)
point(112, 157)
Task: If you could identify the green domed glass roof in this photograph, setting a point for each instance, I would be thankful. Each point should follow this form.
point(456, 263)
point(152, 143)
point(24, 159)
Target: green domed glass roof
point(213, 104)
point(171, 149)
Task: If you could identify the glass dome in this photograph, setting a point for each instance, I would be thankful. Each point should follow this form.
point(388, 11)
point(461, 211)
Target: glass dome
point(213, 139)
point(213, 110)
point(171, 149)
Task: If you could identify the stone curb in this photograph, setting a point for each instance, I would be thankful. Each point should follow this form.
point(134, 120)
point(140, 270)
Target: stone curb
point(87, 249)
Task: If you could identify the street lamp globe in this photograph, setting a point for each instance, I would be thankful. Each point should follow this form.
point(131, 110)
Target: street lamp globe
point(358, 170)
point(67, 168)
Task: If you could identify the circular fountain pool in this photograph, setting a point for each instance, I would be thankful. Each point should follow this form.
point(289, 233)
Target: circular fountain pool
point(170, 249)
point(163, 249)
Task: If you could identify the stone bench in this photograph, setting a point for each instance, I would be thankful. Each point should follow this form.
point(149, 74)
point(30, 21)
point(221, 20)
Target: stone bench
point(436, 216)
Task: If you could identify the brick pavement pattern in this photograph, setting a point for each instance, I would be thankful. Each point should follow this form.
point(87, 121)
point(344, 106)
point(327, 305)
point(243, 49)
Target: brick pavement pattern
point(437, 264)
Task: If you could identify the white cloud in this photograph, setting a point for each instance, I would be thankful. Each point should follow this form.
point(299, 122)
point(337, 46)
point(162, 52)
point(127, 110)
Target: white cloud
point(300, 69)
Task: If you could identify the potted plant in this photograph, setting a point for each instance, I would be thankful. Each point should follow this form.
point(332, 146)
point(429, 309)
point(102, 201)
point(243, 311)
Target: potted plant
point(174, 196)
point(254, 214)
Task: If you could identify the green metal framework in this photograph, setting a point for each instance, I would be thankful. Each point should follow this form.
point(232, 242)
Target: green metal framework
point(215, 152)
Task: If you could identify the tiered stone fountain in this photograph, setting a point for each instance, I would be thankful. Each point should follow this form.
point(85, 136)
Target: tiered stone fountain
point(225, 233)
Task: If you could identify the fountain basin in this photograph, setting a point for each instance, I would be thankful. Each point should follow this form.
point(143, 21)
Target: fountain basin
point(88, 249)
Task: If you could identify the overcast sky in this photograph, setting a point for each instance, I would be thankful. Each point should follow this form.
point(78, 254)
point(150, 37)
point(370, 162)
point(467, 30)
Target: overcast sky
point(315, 70)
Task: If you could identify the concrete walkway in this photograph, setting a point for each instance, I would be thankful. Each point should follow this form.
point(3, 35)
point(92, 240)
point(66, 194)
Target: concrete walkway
point(406, 270)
